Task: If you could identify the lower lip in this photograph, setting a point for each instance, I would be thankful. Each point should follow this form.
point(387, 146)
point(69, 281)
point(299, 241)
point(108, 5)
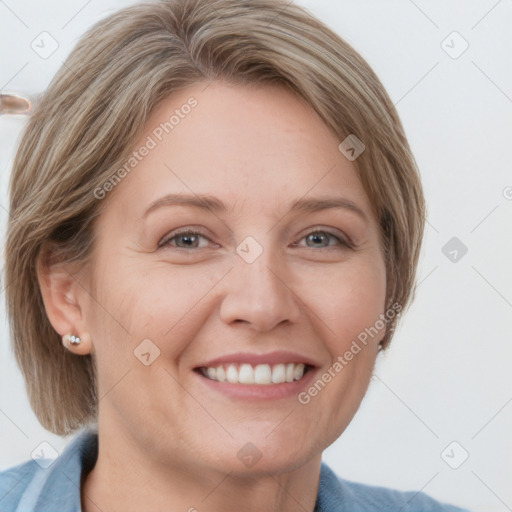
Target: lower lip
point(256, 392)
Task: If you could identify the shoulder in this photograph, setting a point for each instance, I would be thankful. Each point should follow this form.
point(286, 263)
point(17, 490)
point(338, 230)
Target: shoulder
point(336, 494)
point(46, 485)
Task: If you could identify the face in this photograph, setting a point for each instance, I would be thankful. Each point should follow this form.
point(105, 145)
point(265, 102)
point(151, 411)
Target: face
point(235, 264)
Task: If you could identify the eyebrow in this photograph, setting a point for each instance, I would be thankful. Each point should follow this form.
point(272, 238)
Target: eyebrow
point(211, 203)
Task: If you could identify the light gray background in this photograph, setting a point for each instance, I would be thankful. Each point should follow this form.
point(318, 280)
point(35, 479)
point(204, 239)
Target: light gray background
point(445, 377)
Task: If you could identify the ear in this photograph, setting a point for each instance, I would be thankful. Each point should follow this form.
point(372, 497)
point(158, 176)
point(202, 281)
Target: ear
point(64, 299)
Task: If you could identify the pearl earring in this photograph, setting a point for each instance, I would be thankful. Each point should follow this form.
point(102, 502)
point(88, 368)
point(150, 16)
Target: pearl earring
point(72, 339)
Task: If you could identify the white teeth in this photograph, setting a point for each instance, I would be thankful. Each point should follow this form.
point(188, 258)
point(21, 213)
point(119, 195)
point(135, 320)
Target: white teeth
point(278, 374)
point(221, 374)
point(298, 372)
point(232, 374)
point(246, 374)
point(262, 374)
point(290, 369)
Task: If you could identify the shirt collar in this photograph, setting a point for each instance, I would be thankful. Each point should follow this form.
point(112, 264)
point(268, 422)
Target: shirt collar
point(58, 485)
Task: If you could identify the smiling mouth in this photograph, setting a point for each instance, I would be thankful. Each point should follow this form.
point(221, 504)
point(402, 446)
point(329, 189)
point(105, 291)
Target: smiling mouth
point(260, 374)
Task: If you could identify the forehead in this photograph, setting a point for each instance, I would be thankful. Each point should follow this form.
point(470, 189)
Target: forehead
point(253, 147)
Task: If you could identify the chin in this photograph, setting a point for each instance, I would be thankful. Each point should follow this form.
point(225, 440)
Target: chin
point(269, 456)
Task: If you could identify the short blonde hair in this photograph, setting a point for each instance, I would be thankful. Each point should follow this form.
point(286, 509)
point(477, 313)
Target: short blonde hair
point(89, 117)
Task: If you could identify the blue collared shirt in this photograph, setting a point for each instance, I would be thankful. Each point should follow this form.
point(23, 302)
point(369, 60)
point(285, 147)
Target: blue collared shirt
point(44, 486)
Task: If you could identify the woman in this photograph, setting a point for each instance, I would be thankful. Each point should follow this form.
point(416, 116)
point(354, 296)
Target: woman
point(215, 223)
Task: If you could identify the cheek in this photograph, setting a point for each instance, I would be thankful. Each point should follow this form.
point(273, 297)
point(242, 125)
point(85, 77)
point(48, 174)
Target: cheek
point(153, 302)
point(350, 300)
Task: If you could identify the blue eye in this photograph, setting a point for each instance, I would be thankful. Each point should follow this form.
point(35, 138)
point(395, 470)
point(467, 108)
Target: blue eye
point(322, 239)
point(189, 239)
point(192, 239)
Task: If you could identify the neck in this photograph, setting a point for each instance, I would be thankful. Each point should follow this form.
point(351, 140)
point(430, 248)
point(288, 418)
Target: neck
point(125, 479)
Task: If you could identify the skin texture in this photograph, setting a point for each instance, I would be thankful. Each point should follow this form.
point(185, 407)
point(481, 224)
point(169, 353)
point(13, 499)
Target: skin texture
point(167, 440)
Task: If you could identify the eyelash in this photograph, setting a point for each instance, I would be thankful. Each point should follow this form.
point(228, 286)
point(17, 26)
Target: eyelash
point(191, 231)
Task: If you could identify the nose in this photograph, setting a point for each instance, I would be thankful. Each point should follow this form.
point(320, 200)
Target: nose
point(260, 294)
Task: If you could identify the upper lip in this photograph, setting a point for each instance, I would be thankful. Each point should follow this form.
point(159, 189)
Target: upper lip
point(255, 359)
